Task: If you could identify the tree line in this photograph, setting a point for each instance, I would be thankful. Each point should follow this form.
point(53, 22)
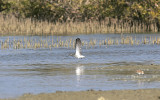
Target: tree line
point(143, 11)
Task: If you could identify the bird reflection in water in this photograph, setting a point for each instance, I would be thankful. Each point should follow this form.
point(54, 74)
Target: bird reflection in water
point(79, 72)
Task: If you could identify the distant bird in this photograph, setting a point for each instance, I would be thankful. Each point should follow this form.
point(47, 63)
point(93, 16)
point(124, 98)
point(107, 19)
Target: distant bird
point(140, 72)
point(78, 48)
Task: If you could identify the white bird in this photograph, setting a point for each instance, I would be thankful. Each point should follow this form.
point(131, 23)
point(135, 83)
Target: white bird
point(78, 48)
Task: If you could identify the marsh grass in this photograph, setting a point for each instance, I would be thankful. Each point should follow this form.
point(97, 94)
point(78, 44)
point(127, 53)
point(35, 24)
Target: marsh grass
point(9, 25)
point(32, 43)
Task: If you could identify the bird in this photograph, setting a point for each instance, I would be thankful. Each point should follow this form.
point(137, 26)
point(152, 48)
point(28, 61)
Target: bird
point(78, 48)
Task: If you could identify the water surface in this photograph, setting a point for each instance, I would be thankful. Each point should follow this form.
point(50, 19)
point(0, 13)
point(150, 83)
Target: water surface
point(47, 70)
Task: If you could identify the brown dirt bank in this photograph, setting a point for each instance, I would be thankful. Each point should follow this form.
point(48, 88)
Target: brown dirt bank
point(142, 94)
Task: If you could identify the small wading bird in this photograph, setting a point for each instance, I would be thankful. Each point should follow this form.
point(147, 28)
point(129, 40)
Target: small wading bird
point(78, 48)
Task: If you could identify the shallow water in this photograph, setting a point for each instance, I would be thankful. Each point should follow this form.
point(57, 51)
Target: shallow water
point(48, 70)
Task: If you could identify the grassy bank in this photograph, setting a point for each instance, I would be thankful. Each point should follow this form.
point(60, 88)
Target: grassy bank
point(63, 17)
point(11, 25)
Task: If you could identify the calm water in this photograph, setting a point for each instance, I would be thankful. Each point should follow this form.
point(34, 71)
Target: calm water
point(45, 71)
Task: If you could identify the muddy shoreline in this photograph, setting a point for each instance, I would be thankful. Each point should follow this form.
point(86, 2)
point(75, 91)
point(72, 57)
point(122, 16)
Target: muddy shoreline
point(141, 94)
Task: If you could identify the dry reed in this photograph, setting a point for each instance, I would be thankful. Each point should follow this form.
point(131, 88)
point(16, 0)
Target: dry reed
point(31, 43)
point(10, 25)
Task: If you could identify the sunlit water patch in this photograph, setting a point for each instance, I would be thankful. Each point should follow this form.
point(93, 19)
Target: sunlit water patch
point(46, 70)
